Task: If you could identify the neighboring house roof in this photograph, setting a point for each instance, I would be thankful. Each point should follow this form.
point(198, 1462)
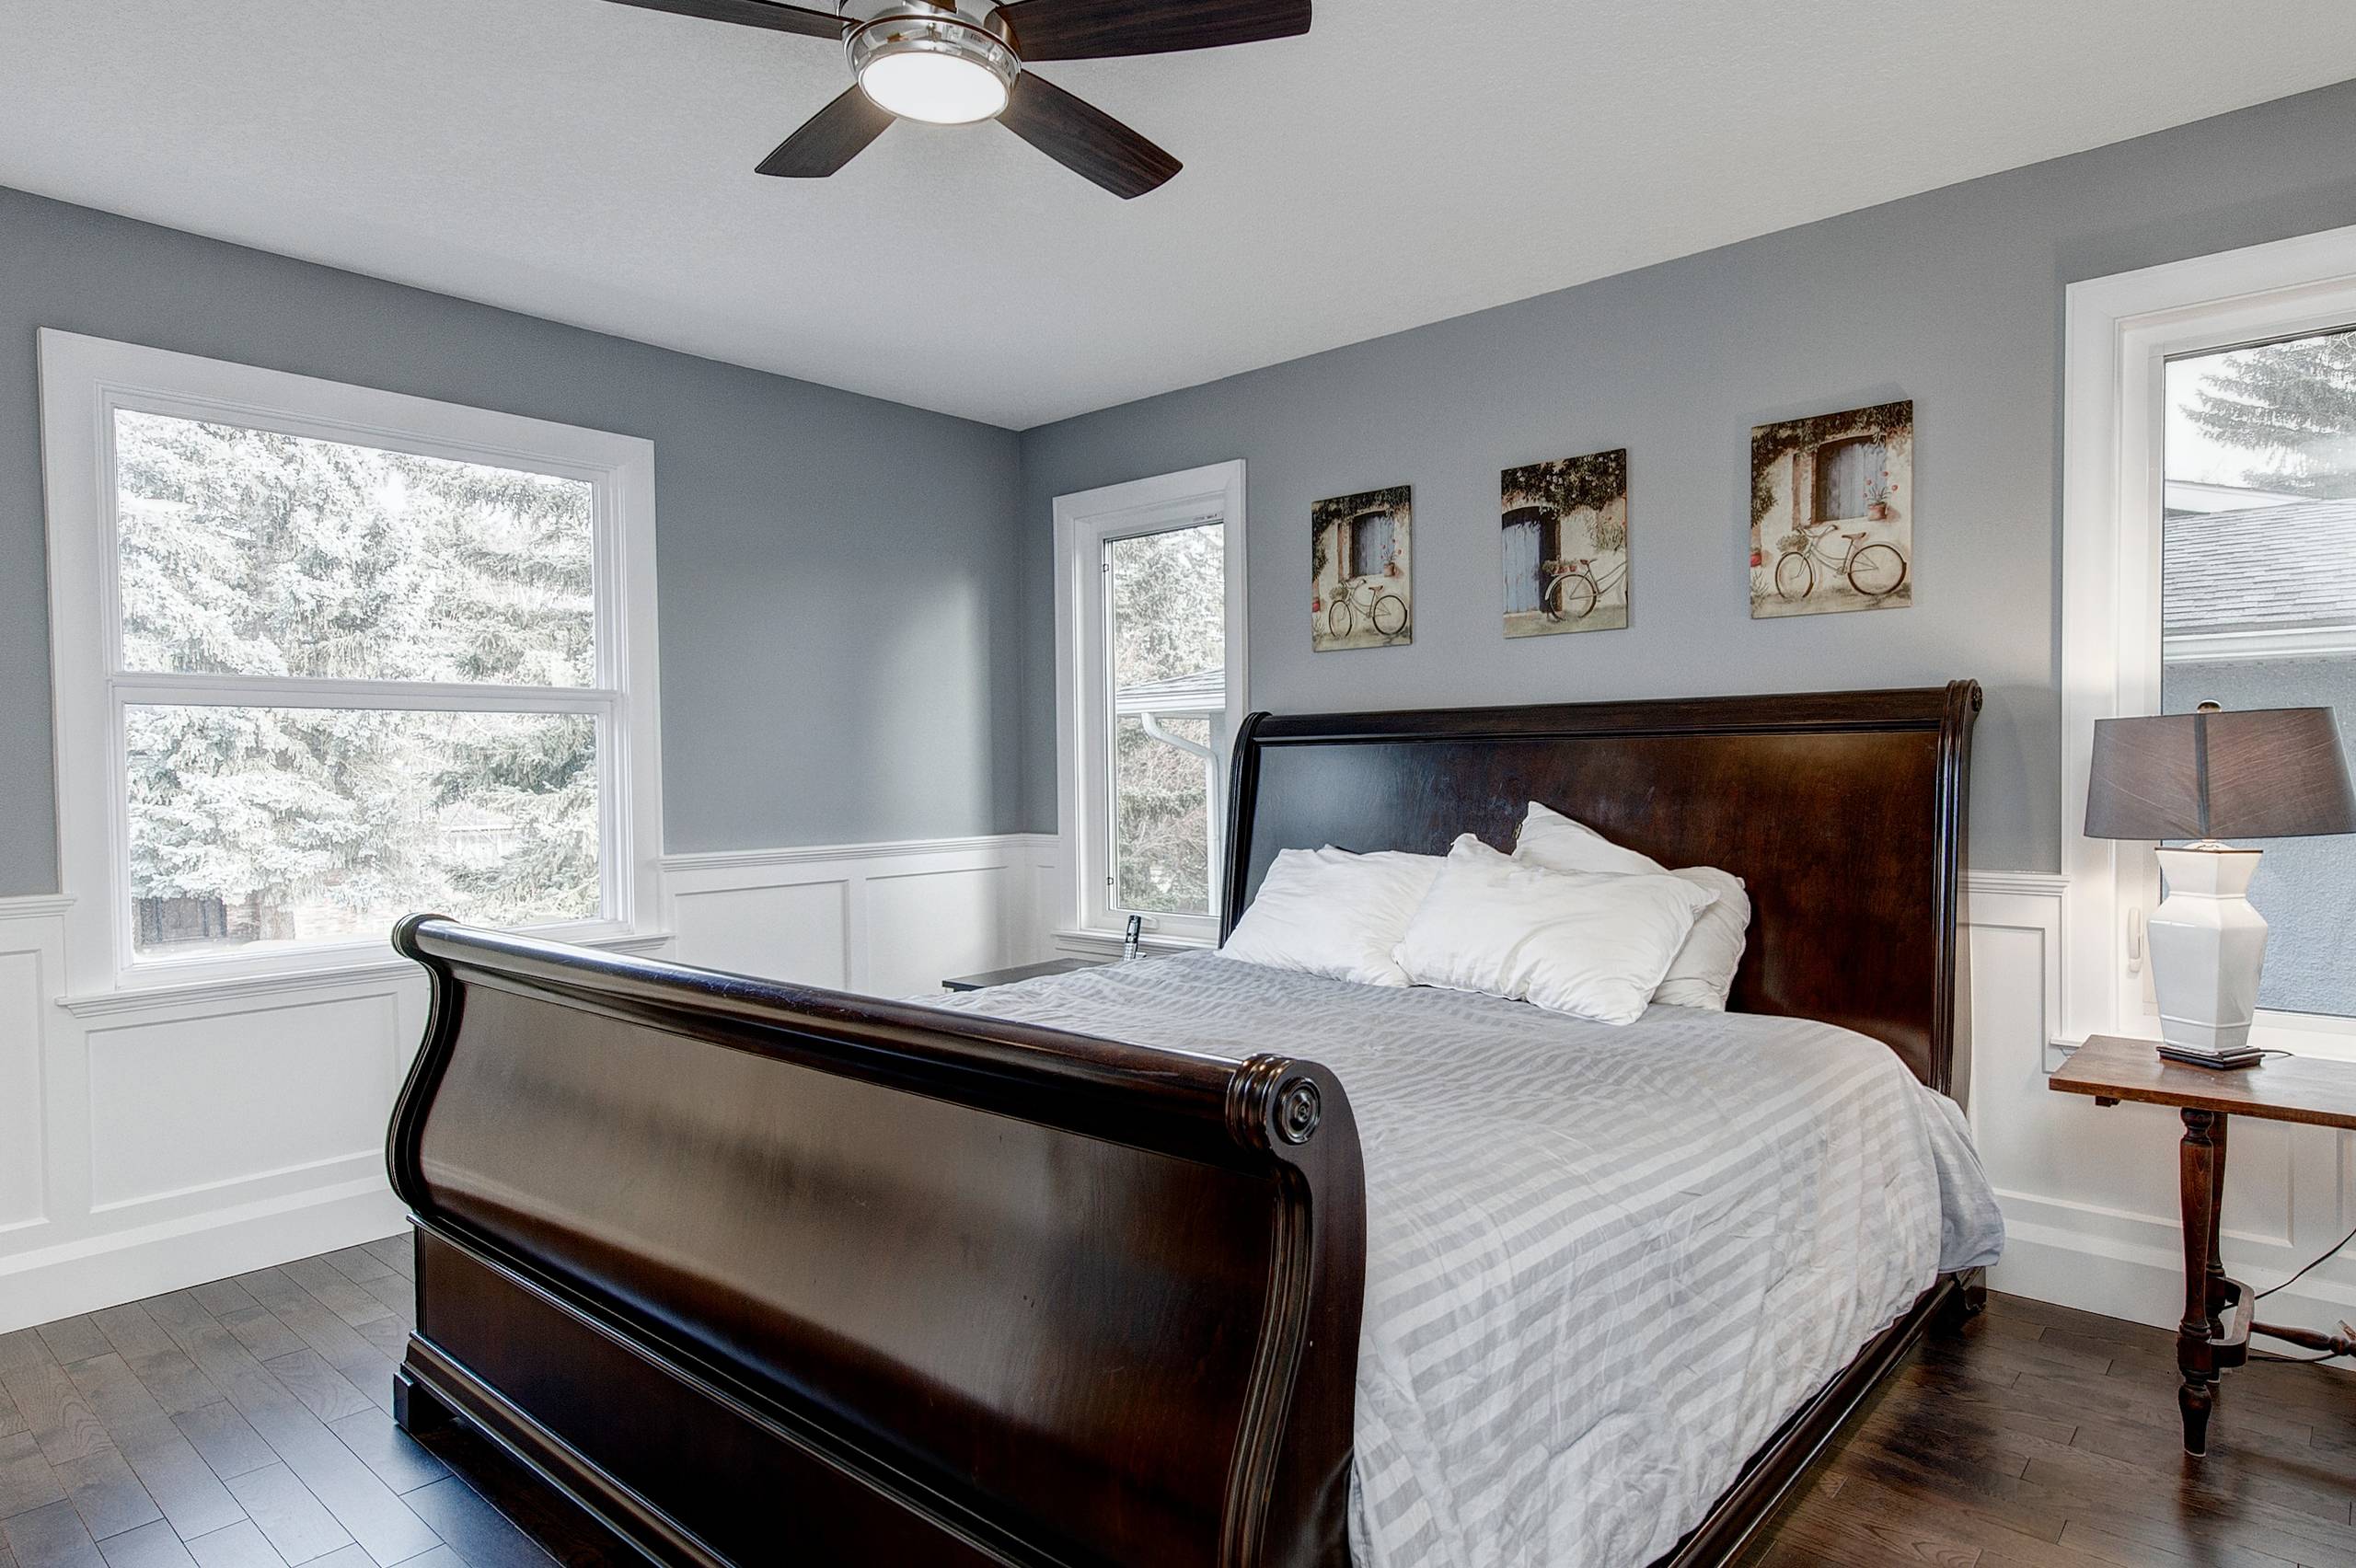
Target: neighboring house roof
point(1205, 691)
point(2257, 580)
point(2201, 495)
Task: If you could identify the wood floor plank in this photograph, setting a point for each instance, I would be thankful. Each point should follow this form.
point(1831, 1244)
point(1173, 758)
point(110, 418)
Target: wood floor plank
point(397, 1294)
point(334, 1291)
point(358, 1264)
point(373, 1514)
point(191, 1496)
point(298, 1525)
point(221, 1296)
point(324, 1391)
point(259, 1330)
point(26, 1480)
point(387, 1336)
point(52, 1536)
point(338, 1342)
point(107, 1492)
point(478, 1532)
point(60, 1421)
point(440, 1557)
point(159, 1364)
point(73, 1339)
point(242, 1545)
point(398, 1252)
point(226, 1440)
point(150, 1546)
point(400, 1461)
point(12, 1420)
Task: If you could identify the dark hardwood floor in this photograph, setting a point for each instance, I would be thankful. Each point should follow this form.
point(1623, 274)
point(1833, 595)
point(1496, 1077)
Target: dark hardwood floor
point(2042, 1437)
point(245, 1425)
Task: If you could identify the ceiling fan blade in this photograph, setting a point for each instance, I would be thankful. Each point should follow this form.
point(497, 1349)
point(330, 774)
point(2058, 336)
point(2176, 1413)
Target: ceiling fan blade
point(829, 139)
point(1092, 29)
point(751, 14)
point(1084, 138)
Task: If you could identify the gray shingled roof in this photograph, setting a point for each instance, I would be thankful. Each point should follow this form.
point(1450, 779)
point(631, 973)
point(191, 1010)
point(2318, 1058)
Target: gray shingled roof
point(2272, 568)
point(1205, 691)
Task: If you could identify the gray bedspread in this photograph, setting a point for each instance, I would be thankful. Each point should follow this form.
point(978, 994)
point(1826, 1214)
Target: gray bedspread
point(1603, 1263)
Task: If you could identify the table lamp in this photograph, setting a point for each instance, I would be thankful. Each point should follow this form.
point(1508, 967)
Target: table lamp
point(2208, 775)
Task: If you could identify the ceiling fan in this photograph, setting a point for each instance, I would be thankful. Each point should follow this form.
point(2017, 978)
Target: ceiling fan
point(954, 62)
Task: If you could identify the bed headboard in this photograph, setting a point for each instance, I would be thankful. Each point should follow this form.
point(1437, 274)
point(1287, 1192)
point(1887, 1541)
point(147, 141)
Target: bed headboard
point(1844, 812)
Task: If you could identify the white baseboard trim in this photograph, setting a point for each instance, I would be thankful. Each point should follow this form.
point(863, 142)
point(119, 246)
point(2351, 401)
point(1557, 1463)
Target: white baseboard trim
point(126, 1265)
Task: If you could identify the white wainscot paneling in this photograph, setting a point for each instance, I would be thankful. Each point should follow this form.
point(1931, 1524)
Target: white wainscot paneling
point(888, 920)
point(153, 1141)
point(183, 1107)
point(2089, 1192)
point(30, 947)
point(797, 931)
point(924, 927)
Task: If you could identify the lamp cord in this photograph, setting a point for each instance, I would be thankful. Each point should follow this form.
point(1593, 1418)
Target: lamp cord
point(2343, 1242)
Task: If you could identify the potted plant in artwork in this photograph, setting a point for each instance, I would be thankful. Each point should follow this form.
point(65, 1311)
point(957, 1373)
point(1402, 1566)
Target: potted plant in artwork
point(1877, 499)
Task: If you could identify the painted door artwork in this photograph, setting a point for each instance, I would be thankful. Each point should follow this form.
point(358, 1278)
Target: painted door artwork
point(1361, 589)
point(1564, 544)
point(1370, 544)
point(1530, 533)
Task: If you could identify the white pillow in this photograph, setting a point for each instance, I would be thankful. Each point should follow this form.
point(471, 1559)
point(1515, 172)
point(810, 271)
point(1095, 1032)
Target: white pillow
point(1580, 943)
point(1704, 972)
point(1329, 912)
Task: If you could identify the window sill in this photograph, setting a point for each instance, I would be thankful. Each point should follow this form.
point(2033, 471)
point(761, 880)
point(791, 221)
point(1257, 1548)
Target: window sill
point(234, 988)
point(1107, 944)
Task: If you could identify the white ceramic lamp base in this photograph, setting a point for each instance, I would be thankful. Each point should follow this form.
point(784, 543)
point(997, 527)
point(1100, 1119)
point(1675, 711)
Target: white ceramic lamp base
point(2208, 948)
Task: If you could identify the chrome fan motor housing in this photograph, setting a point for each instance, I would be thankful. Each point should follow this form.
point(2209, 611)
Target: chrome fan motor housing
point(889, 37)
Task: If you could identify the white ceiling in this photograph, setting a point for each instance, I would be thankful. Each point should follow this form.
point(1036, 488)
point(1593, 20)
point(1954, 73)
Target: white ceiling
point(1401, 164)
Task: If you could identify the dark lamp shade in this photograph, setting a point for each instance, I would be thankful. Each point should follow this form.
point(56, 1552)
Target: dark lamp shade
point(2264, 773)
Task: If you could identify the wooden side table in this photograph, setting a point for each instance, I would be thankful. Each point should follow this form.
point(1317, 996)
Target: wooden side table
point(2213, 1336)
point(1021, 971)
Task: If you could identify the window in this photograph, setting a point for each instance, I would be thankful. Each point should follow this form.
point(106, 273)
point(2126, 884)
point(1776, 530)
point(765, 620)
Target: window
point(1149, 690)
point(1370, 544)
point(2210, 554)
point(1852, 478)
point(327, 656)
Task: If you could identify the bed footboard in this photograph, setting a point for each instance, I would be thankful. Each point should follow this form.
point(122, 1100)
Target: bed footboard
point(762, 1274)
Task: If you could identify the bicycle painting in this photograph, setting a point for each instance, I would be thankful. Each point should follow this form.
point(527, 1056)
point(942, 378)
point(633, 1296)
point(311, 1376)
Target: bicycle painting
point(1361, 593)
point(1565, 544)
point(1832, 512)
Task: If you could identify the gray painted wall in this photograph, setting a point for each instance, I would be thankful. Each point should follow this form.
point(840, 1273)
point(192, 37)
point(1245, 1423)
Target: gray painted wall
point(842, 589)
point(1953, 298)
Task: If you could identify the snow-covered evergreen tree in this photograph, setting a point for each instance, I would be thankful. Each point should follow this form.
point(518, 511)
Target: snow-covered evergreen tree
point(2293, 401)
point(252, 552)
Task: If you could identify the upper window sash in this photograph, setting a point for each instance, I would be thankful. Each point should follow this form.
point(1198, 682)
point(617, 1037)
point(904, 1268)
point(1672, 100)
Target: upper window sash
point(84, 382)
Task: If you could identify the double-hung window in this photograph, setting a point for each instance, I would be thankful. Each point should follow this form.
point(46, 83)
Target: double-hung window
point(2210, 556)
point(1149, 692)
point(326, 656)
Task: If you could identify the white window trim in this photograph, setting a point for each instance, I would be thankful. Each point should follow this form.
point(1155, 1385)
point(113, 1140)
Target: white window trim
point(2120, 333)
point(82, 381)
point(1084, 520)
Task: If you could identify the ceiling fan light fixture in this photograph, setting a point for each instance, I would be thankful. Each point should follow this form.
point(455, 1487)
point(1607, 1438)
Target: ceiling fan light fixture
point(941, 69)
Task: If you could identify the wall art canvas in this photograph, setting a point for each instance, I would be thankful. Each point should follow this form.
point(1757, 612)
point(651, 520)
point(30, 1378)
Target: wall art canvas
point(1565, 532)
point(1362, 592)
point(1832, 512)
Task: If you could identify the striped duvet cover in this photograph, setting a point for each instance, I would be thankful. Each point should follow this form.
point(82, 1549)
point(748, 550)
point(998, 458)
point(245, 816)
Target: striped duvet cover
point(1603, 1264)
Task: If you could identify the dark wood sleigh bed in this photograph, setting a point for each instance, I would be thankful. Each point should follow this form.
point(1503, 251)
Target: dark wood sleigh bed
point(765, 1274)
